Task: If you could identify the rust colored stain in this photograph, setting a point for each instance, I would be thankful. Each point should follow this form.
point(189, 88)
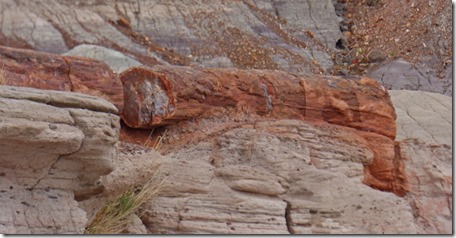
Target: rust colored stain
point(387, 171)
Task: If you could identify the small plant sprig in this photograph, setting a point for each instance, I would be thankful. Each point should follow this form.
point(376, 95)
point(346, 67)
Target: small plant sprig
point(114, 217)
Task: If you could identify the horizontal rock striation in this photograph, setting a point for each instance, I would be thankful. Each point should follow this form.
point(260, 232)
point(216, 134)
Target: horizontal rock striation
point(165, 95)
point(54, 148)
point(296, 36)
point(270, 177)
point(28, 68)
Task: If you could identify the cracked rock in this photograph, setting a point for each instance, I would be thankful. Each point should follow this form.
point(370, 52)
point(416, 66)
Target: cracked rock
point(53, 149)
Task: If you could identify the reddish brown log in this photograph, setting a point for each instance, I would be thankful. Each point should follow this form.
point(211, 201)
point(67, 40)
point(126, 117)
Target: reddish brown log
point(41, 70)
point(167, 94)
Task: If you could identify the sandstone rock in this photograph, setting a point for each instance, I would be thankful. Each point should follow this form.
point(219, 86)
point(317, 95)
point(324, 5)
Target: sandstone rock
point(400, 74)
point(135, 226)
point(52, 149)
point(284, 176)
point(422, 115)
point(35, 69)
point(168, 95)
point(429, 173)
point(245, 34)
point(165, 95)
point(115, 59)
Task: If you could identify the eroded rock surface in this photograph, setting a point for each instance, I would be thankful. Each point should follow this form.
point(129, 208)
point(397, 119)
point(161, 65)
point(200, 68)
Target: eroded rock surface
point(35, 69)
point(430, 177)
point(117, 61)
point(54, 148)
point(288, 35)
point(399, 74)
point(281, 176)
point(165, 95)
point(423, 115)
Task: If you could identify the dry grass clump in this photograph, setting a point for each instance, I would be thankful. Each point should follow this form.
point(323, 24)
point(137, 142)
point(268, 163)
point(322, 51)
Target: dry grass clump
point(2, 76)
point(114, 217)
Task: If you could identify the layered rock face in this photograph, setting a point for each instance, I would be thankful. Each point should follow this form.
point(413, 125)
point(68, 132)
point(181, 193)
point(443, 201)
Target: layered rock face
point(117, 61)
point(425, 134)
point(291, 176)
point(233, 160)
point(276, 177)
point(55, 146)
point(254, 175)
point(166, 95)
point(264, 34)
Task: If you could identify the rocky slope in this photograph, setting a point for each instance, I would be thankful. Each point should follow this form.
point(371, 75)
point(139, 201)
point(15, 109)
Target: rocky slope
point(289, 35)
point(303, 36)
point(403, 45)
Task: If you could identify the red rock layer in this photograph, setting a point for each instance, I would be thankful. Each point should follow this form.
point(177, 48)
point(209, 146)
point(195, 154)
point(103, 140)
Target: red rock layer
point(165, 95)
point(387, 171)
point(41, 70)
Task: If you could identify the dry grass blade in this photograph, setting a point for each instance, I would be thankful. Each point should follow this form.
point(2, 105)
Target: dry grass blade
point(149, 139)
point(2, 75)
point(159, 140)
point(113, 218)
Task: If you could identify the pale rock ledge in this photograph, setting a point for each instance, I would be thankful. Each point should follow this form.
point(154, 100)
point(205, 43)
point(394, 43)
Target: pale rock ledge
point(54, 146)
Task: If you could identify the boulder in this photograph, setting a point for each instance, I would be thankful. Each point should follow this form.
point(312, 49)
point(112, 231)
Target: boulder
point(28, 68)
point(376, 55)
point(165, 95)
point(55, 147)
point(117, 61)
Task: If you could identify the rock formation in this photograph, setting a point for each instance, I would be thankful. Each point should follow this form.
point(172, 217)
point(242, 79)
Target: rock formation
point(289, 35)
point(254, 175)
point(245, 151)
point(168, 94)
point(54, 148)
point(232, 102)
point(28, 68)
point(276, 177)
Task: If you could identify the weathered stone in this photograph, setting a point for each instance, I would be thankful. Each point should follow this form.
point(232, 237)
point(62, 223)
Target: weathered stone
point(423, 115)
point(262, 34)
point(49, 154)
point(165, 95)
point(400, 74)
point(429, 173)
point(311, 174)
point(115, 59)
point(376, 55)
point(135, 226)
point(40, 70)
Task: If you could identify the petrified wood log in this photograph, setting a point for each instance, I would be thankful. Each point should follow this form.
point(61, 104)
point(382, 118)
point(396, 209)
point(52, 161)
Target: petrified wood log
point(28, 68)
point(164, 95)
